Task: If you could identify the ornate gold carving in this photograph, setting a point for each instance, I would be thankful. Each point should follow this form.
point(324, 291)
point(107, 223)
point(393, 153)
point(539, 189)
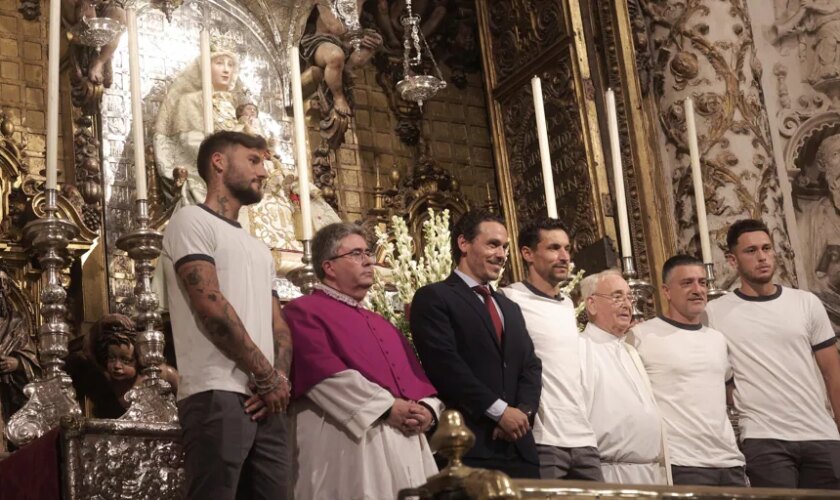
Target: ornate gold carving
point(521, 31)
point(724, 78)
point(568, 153)
point(532, 39)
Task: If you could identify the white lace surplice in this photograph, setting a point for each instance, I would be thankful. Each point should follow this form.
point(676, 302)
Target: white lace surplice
point(342, 449)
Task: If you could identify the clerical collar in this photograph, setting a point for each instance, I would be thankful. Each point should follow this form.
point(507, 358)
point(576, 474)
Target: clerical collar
point(600, 335)
point(339, 296)
point(540, 293)
point(682, 326)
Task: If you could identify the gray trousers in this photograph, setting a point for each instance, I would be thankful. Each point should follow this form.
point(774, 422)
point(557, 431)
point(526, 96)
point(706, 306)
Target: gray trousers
point(774, 463)
point(709, 476)
point(570, 463)
point(227, 456)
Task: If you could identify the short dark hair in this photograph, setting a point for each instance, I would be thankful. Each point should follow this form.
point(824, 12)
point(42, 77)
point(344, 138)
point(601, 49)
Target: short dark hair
point(677, 261)
point(219, 142)
point(529, 235)
point(743, 226)
point(326, 241)
point(467, 225)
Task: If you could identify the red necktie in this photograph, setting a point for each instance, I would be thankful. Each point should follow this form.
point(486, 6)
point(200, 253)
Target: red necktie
point(484, 291)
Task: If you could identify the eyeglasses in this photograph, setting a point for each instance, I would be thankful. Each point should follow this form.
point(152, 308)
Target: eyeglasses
point(616, 298)
point(358, 255)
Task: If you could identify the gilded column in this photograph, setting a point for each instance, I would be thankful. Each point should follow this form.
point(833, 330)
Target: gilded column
point(705, 49)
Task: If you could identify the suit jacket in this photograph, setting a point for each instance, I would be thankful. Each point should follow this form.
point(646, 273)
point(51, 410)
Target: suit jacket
point(461, 355)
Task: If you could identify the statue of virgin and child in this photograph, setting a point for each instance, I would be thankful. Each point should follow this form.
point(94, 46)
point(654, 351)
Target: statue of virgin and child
point(179, 130)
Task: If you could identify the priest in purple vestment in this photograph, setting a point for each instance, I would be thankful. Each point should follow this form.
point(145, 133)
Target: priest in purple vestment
point(361, 402)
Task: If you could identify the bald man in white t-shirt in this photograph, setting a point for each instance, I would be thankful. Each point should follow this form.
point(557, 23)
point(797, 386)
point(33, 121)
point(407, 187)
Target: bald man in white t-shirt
point(786, 369)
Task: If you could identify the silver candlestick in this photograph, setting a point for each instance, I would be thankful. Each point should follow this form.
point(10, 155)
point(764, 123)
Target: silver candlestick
point(308, 277)
point(51, 396)
point(152, 400)
point(713, 291)
point(640, 289)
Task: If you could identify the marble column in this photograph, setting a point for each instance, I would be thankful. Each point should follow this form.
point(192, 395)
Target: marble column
point(705, 49)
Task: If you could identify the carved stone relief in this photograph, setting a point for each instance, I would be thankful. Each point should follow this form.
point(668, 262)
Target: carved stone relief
point(705, 49)
point(801, 38)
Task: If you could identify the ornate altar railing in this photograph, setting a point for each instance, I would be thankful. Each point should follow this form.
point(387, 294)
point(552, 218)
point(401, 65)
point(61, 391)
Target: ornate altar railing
point(452, 439)
point(120, 459)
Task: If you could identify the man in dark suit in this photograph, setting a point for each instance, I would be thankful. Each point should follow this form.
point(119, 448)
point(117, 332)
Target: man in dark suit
point(476, 350)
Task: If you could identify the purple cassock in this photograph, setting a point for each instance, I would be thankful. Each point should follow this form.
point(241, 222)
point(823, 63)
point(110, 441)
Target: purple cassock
point(330, 336)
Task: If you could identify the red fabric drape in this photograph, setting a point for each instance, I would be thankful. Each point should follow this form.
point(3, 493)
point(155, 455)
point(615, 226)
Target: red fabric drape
point(33, 472)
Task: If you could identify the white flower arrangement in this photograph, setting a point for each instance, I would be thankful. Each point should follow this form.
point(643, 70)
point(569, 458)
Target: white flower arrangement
point(407, 273)
point(570, 287)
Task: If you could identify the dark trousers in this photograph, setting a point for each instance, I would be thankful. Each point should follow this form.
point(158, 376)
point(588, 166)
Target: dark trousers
point(709, 476)
point(582, 463)
point(227, 456)
point(516, 468)
point(775, 463)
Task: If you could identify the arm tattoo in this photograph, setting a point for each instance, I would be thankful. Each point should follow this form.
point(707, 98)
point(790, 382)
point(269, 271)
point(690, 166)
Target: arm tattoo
point(222, 325)
point(282, 339)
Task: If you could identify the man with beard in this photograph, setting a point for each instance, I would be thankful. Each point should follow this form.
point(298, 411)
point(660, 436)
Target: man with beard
point(565, 442)
point(232, 344)
point(688, 365)
point(476, 350)
point(362, 401)
point(619, 401)
point(780, 339)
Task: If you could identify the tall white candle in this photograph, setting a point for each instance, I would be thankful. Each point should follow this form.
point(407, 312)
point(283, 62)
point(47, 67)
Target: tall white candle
point(52, 93)
point(300, 145)
point(697, 180)
point(545, 154)
point(206, 81)
point(136, 102)
point(618, 177)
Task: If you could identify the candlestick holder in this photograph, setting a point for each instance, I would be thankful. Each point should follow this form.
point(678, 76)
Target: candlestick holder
point(713, 291)
point(151, 401)
point(640, 289)
point(308, 277)
point(51, 396)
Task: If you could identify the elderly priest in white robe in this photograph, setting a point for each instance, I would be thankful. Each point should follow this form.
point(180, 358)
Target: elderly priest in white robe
point(362, 402)
point(619, 400)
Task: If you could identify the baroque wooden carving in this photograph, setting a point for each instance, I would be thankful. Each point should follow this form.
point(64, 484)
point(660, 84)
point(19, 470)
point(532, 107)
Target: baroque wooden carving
point(723, 76)
point(568, 153)
point(604, 22)
point(521, 39)
point(521, 30)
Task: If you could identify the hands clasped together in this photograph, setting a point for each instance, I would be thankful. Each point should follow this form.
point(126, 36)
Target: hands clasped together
point(409, 417)
point(270, 396)
point(512, 425)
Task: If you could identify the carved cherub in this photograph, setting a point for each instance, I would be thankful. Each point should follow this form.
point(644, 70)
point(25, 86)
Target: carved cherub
point(111, 346)
point(74, 12)
point(331, 54)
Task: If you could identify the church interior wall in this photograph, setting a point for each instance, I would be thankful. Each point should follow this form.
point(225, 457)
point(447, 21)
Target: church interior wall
point(454, 125)
point(23, 70)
